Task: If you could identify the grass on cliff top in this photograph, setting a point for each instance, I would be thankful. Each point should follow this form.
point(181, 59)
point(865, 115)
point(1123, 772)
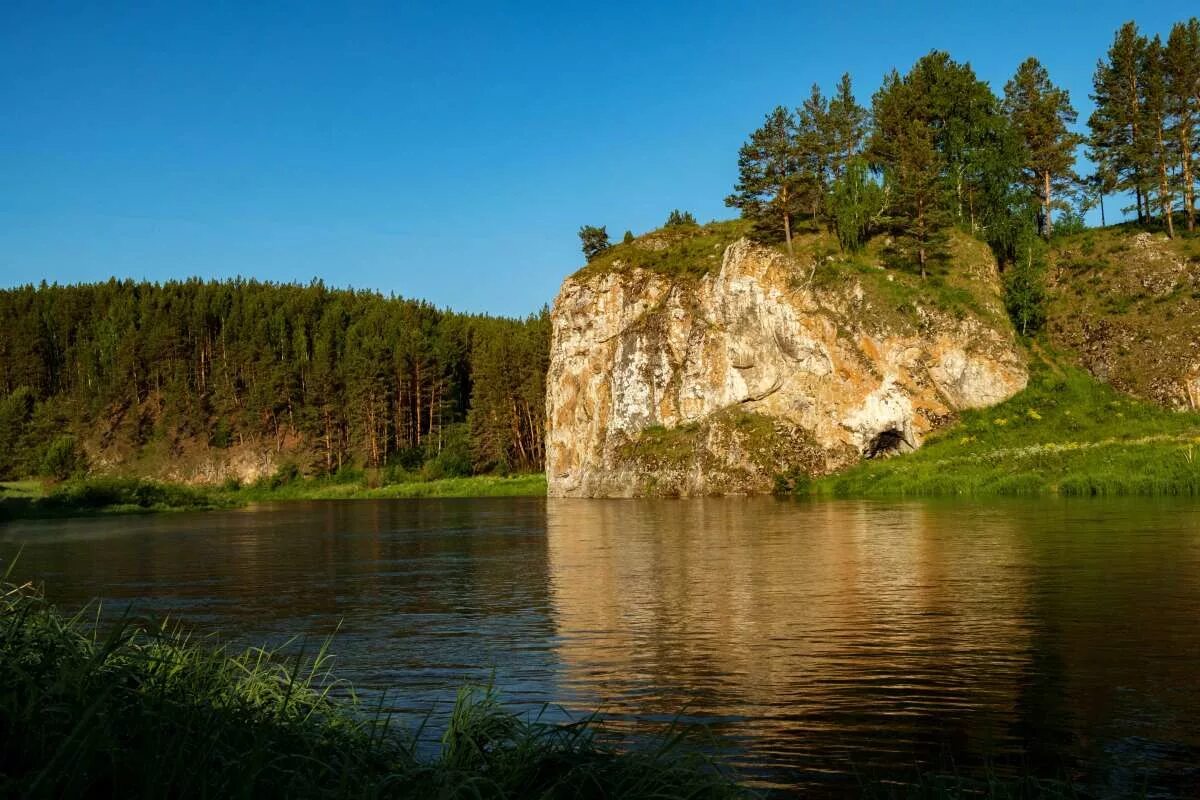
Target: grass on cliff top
point(1065, 434)
point(892, 287)
point(678, 251)
point(147, 711)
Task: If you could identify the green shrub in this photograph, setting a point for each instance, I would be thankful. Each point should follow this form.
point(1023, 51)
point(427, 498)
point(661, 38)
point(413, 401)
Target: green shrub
point(63, 459)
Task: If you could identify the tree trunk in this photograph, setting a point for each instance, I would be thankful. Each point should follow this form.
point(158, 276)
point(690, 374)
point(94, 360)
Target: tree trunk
point(1165, 199)
point(1138, 193)
point(1046, 190)
point(1103, 224)
point(1189, 188)
point(787, 231)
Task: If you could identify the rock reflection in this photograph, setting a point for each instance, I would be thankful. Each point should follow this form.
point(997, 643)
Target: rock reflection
point(841, 637)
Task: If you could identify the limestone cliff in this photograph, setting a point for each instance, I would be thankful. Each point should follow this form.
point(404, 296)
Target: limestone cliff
point(717, 381)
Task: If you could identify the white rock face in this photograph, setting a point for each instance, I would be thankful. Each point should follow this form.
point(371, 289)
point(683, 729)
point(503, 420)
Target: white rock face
point(717, 385)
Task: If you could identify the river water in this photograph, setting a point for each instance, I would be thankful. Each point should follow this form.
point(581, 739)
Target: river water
point(816, 641)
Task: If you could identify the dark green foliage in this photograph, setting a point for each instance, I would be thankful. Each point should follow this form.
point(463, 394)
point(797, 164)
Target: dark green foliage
point(96, 495)
point(771, 189)
point(147, 374)
point(63, 459)
point(454, 457)
point(627, 238)
point(675, 219)
point(135, 711)
point(1025, 288)
point(1040, 113)
point(593, 241)
point(16, 410)
point(508, 399)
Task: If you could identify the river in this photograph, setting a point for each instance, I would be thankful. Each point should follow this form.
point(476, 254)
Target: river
point(816, 641)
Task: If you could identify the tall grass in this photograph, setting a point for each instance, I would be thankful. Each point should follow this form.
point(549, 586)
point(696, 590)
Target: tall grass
point(134, 711)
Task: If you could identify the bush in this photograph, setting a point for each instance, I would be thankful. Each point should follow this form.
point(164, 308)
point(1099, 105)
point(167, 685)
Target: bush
point(63, 459)
point(285, 473)
point(455, 459)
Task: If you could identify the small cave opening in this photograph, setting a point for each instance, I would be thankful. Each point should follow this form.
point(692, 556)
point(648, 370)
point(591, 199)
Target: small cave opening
point(887, 443)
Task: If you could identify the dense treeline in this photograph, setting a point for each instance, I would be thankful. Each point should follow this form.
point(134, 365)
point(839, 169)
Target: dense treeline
point(333, 378)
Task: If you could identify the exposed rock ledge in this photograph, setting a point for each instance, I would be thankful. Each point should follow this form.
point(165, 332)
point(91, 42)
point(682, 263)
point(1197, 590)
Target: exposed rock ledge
point(716, 385)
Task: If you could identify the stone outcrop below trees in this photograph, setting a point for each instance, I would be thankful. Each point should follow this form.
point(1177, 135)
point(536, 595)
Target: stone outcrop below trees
point(766, 369)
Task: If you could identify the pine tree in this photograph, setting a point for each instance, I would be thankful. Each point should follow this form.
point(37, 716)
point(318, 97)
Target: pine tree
point(1182, 67)
point(846, 126)
point(678, 218)
point(1117, 132)
point(1156, 115)
point(627, 238)
point(593, 241)
point(904, 147)
point(814, 149)
point(1040, 112)
point(769, 189)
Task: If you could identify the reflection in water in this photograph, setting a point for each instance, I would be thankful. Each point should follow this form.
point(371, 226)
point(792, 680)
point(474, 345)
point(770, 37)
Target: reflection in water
point(816, 640)
point(841, 637)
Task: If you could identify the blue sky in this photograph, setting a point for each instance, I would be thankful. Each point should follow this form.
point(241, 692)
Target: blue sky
point(442, 151)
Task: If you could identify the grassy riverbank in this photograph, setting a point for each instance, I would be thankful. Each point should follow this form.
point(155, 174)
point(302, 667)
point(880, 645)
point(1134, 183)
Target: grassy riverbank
point(359, 488)
point(34, 500)
point(1066, 434)
point(149, 712)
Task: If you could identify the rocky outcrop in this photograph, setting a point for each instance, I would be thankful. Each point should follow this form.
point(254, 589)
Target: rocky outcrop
point(767, 367)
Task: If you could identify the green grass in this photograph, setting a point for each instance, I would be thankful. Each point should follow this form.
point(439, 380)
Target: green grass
point(681, 251)
point(93, 496)
point(527, 485)
point(135, 711)
point(1066, 434)
point(106, 496)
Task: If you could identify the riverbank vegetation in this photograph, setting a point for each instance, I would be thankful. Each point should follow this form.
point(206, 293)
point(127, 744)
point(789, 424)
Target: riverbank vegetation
point(1066, 434)
point(148, 711)
point(89, 496)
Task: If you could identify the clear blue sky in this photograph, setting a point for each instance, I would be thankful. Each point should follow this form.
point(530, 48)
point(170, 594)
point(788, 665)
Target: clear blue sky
point(446, 151)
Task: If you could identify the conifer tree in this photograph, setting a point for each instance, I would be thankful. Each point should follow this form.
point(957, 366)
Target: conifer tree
point(678, 218)
point(1117, 130)
point(593, 240)
point(1182, 67)
point(768, 190)
point(846, 126)
point(814, 148)
point(903, 147)
point(1040, 112)
point(1156, 115)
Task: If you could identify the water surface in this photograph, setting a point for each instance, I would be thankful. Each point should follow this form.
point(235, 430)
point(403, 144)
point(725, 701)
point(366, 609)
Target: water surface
point(817, 641)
